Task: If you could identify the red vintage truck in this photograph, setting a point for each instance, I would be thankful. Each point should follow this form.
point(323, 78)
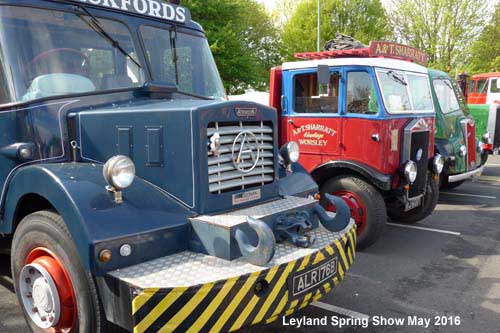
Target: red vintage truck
point(365, 122)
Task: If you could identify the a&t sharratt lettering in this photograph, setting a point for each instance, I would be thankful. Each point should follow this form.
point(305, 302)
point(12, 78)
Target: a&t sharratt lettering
point(134, 195)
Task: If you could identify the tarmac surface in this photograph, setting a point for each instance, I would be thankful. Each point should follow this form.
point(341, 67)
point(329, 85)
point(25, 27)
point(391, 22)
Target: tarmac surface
point(445, 273)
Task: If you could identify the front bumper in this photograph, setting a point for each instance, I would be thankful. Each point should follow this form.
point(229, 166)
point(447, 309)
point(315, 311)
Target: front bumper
point(196, 293)
point(466, 175)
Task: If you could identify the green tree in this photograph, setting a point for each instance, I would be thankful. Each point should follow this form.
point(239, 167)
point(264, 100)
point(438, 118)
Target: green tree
point(364, 20)
point(243, 39)
point(485, 52)
point(442, 28)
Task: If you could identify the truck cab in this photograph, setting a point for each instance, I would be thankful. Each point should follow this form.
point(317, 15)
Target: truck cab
point(134, 195)
point(365, 124)
point(456, 137)
point(484, 89)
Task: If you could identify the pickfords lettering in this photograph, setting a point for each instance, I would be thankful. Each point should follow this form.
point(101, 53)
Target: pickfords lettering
point(152, 8)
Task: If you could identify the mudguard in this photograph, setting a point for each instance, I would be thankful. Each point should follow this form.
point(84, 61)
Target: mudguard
point(327, 170)
point(296, 182)
point(150, 220)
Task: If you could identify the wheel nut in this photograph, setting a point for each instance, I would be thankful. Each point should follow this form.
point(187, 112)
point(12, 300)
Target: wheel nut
point(29, 294)
point(28, 280)
point(43, 318)
point(31, 271)
point(35, 309)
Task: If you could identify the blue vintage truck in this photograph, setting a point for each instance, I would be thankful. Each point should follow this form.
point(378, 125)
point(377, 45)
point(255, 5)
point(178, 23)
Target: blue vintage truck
point(134, 195)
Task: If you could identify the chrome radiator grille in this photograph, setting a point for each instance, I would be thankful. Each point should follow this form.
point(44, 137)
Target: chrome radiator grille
point(240, 155)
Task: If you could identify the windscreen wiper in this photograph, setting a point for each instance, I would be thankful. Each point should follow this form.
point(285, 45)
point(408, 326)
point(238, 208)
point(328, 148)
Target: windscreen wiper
point(395, 77)
point(96, 26)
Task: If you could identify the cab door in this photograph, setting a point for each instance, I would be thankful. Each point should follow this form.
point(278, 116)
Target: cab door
point(363, 133)
point(311, 115)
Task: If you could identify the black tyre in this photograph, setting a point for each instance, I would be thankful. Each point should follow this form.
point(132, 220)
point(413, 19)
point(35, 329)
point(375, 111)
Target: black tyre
point(397, 213)
point(42, 245)
point(366, 203)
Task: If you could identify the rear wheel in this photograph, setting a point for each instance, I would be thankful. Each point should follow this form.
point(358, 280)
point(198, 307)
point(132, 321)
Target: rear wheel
point(366, 204)
point(53, 289)
point(397, 213)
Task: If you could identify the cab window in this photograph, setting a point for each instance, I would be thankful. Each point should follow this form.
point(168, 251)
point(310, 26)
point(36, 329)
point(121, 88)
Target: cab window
point(482, 86)
point(361, 96)
point(446, 96)
point(310, 97)
point(494, 87)
point(472, 85)
point(64, 53)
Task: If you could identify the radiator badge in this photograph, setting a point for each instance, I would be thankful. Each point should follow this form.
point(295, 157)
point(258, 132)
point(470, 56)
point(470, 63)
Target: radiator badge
point(245, 197)
point(246, 112)
point(246, 152)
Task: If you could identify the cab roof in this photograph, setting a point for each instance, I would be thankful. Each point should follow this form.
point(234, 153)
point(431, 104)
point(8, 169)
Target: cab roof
point(486, 75)
point(394, 64)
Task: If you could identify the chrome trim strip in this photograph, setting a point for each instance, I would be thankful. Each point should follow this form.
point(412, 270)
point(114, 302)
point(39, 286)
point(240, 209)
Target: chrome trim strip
point(466, 175)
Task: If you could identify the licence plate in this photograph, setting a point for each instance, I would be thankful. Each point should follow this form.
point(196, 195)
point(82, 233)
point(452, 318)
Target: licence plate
point(413, 203)
point(313, 277)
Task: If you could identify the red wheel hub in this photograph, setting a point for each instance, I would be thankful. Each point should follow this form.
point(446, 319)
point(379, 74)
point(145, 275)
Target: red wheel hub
point(49, 263)
point(355, 204)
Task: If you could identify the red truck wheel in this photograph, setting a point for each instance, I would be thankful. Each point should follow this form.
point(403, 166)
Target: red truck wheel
point(366, 203)
point(53, 289)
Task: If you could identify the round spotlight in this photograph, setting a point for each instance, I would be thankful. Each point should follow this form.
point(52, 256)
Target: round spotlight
point(119, 172)
point(463, 151)
point(438, 164)
point(411, 171)
point(290, 152)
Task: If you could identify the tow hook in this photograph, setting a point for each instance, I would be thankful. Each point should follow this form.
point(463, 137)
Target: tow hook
point(261, 254)
point(342, 214)
point(294, 228)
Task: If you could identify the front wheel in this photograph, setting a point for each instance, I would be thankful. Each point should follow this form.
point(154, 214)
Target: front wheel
point(53, 289)
point(366, 204)
point(397, 213)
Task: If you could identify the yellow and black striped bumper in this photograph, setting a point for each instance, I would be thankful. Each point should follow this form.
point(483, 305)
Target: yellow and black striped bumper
point(229, 304)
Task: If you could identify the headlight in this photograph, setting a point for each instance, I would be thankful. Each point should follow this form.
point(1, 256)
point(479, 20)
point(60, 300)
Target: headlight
point(438, 164)
point(487, 138)
point(463, 151)
point(480, 147)
point(119, 172)
point(290, 152)
point(411, 171)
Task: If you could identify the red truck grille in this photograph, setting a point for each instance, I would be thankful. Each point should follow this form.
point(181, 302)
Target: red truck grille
point(469, 130)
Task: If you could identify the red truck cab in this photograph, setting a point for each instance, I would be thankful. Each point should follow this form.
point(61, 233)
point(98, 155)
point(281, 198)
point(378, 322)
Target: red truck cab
point(365, 127)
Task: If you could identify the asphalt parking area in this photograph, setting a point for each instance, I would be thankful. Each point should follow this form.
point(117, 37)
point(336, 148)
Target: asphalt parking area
point(448, 267)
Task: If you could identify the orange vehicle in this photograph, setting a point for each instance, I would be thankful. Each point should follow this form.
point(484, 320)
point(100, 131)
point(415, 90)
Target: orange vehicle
point(484, 89)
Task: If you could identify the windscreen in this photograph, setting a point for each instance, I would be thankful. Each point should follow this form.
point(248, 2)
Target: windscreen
point(53, 53)
point(405, 92)
point(182, 60)
point(448, 101)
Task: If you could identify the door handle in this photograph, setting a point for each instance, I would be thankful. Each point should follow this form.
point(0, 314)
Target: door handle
point(376, 137)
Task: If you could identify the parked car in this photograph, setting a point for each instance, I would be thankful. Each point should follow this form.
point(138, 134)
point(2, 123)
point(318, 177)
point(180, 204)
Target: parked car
point(134, 194)
point(455, 132)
